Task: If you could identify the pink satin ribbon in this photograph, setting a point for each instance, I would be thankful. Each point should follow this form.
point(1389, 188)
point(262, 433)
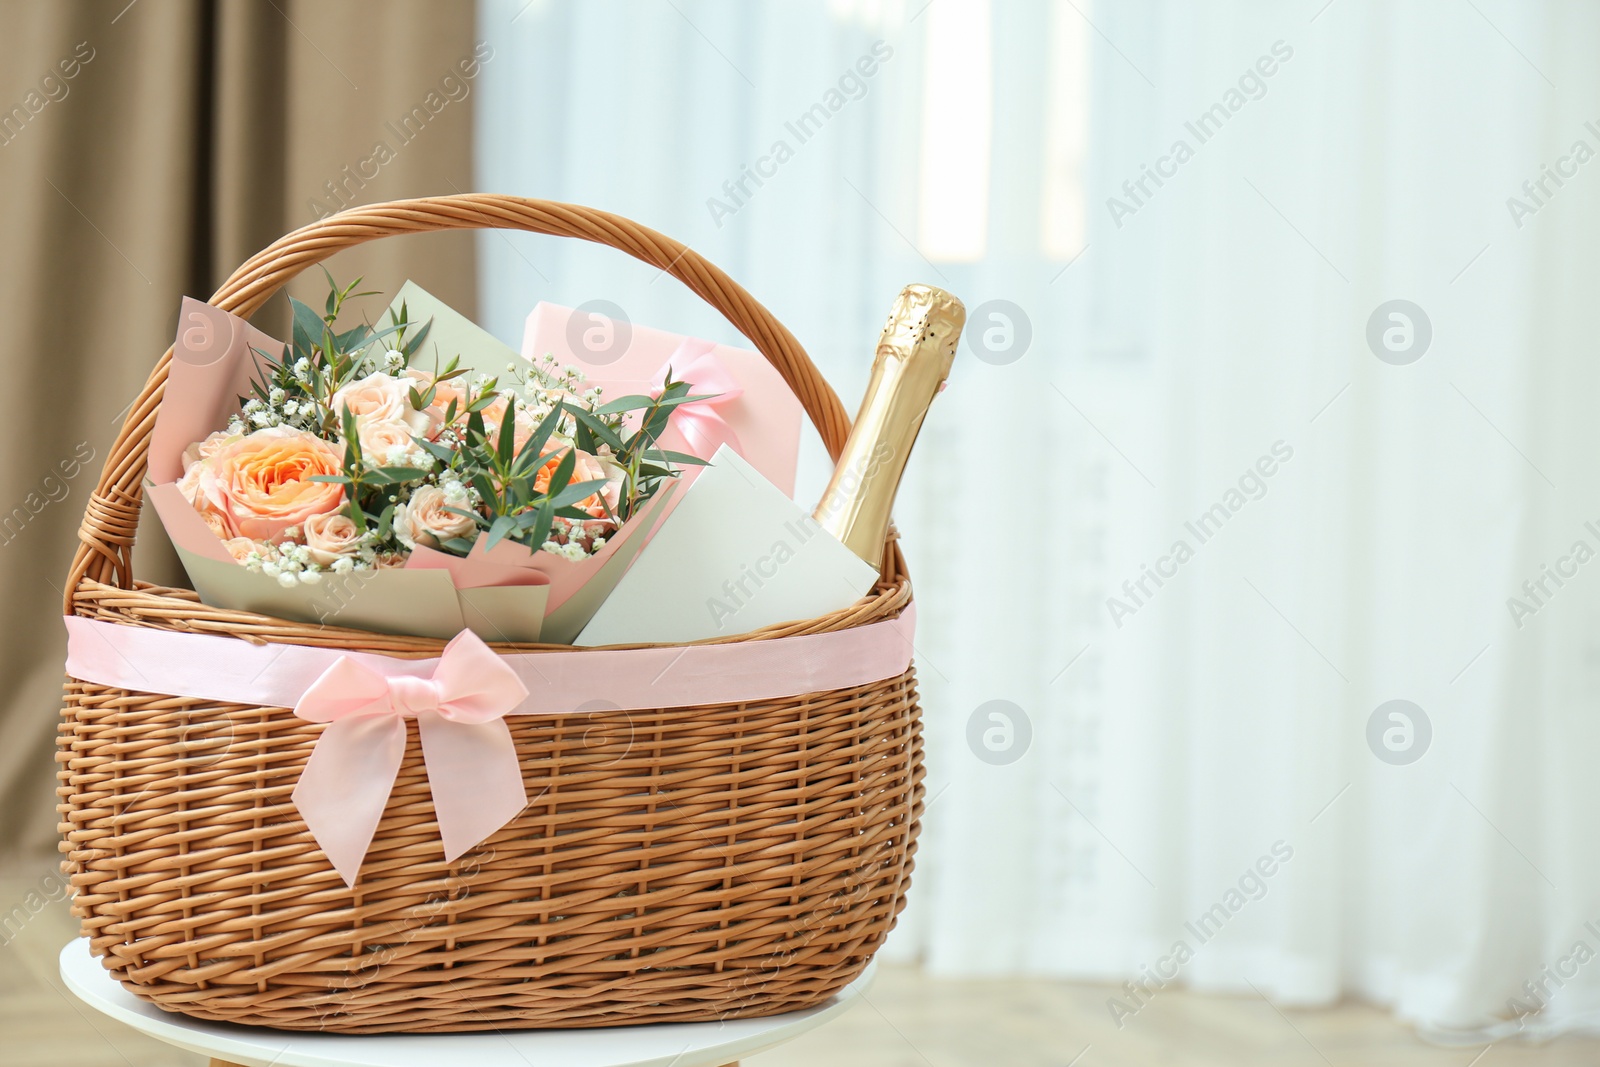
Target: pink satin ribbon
point(701, 424)
point(459, 700)
point(460, 712)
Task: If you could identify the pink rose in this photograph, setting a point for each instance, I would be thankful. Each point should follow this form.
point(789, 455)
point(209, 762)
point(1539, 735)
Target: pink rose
point(331, 537)
point(259, 485)
point(425, 520)
point(380, 397)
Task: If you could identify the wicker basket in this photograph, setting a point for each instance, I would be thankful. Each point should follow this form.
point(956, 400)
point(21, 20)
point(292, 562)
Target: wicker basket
point(674, 865)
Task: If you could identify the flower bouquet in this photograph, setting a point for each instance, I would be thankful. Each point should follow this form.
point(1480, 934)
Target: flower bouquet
point(411, 477)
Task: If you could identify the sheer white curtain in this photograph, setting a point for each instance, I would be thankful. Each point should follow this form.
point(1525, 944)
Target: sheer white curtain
point(1196, 799)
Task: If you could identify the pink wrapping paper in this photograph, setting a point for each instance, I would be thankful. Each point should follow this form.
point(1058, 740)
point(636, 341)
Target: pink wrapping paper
point(764, 420)
point(212, 364)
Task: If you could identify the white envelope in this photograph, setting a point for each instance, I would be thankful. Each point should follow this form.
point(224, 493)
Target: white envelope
point(735, 555)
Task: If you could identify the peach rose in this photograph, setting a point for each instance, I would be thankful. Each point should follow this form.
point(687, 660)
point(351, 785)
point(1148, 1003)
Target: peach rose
point(443, 393)
point(550, 459)
point(596, 468)
point(424, 520)
point(203, 450)
point(380, 397)
point(386, 444)
point(199, 487)
point(521, 429)
point(586, 468)
point(261, 482)
point(239, 547)
point(213, 520)
point(331, 537)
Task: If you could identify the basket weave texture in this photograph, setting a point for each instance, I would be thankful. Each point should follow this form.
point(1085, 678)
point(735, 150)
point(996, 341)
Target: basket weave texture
point(673, 865)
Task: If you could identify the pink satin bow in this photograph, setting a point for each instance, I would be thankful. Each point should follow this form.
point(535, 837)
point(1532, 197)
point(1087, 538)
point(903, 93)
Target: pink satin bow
point(471, 759)
point(702, 425)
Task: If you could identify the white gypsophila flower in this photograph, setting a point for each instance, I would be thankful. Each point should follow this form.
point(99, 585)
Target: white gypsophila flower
point(270, 568)
point(343, 565)
point(573, 551)
point(394, 359)
point(261, 418)
point(275, 395)
point(302, 367)
point(599, 543)
point(310, 577)
point(287, 579)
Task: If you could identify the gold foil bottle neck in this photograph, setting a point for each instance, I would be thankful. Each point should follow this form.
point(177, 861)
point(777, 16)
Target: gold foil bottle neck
point(915, 351)
point(925, 321)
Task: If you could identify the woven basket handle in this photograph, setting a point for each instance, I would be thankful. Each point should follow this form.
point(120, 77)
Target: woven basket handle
point(111, 517)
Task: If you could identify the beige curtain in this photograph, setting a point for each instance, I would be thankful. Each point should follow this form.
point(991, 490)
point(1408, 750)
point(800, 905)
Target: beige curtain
point(146, 149)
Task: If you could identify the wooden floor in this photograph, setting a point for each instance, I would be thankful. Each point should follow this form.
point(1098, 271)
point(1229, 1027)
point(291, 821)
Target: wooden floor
point(908, 1020)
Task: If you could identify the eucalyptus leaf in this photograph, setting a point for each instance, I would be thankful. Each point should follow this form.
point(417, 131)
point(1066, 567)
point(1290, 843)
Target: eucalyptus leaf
point(402, 474)
point(680, 458)
point(605, 434)
point(499, 529)
point(571, 494)
point(563, 472)
point(505, 446)
point(625, 403)
point(541, 528)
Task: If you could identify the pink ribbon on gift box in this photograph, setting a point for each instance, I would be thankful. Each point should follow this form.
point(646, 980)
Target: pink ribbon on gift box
point(460, 700)
point(702, 425)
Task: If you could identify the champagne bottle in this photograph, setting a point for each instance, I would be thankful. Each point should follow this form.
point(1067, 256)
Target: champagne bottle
point(914, 355)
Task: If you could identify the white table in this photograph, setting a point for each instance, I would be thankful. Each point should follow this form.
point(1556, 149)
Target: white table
point(660, 1045)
